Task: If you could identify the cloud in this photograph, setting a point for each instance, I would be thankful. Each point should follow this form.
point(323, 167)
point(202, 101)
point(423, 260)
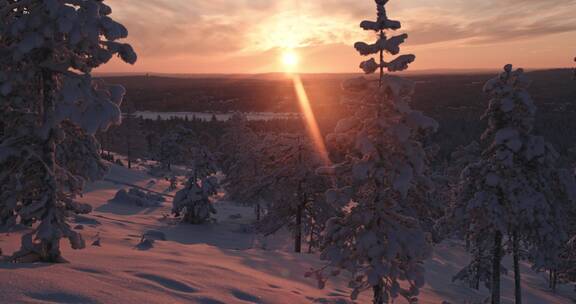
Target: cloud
point(199, 27)
point(490, 22)
point(236, 27)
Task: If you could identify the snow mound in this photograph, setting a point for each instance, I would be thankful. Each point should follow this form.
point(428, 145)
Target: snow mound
point(138, 198)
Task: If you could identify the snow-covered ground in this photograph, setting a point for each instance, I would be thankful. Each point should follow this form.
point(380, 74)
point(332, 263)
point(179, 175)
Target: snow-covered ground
point(223, 262)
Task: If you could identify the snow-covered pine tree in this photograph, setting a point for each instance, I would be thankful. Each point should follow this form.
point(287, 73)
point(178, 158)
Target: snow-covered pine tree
point(384, 179)
point(565, 270)
point(78, 153)
point(292, 188)
point(383, 44)
point(479, 268)
point(152, 142)
point(194, 201)
point(515, 191)
point(130, 124)
point(478, 271)
point(233, 143)
point(183, 146)
point(241, 162)
point(128, 138)
point(461, 158)
point(173, 147)
point(554, 254)
point(48, 49)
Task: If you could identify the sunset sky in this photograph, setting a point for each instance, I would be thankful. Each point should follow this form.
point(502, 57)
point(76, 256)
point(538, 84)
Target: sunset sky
point(249, 36)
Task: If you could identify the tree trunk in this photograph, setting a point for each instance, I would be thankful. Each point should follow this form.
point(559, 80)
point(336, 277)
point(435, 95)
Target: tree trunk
point(476, 283)
point(49, 250)
point(311, 241)
point(554, 279)
point(129, 156)
point(378, 295)
point(382, 36)
point(108, 145)
point(258, 212)
point(517, 274)
point(101, 142)
point(496, 259)
point(129, 125)
point(478, 267)
point(298, 236)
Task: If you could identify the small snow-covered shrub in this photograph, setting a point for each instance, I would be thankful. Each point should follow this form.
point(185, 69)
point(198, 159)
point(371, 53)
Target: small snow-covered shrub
point(194, 201)
point(138, 198)
point(149, 238)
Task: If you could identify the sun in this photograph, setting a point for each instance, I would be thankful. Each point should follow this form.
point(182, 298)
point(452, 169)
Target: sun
point(290, 60)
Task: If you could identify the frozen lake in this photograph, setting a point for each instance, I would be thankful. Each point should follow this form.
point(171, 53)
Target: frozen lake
point(219, 116)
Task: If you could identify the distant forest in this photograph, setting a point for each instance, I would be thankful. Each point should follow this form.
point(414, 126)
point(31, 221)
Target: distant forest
point(456, 101)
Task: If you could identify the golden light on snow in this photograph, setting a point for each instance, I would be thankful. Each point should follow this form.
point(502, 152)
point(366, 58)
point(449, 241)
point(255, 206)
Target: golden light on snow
point(290, 60)
point(310, 118)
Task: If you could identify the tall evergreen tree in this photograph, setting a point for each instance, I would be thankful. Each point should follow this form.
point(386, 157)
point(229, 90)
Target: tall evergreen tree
point(383, 179)
point(48, 49)
point(515, 192)
point(242, 163)
point(289, 183)
point(131, 132)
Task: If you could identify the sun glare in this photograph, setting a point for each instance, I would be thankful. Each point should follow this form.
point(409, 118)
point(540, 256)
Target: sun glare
point(290, 60)
point(311, 122)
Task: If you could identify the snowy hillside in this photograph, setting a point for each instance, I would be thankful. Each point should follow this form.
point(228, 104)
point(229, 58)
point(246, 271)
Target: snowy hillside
point(214, 263)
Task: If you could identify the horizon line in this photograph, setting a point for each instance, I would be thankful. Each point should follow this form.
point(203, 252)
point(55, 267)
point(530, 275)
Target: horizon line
point(423, 71)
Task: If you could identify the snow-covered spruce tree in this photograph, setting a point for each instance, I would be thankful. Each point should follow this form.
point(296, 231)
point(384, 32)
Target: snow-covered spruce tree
point(288, 181)
point(130, 133)
point(234, 142)
point(78, 153)
point(515, 191)
point(565, 270)
point(174, 147)
point(557, 257)
point(479, 269)
point(241, 162)
point(384, 178)
point(461, 158)
point(48, 49)
point(203, 162)
point(562, 268)
point(183, 146)
point(194, 201)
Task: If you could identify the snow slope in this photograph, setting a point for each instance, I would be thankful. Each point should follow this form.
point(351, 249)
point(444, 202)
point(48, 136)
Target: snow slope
point(215, 263)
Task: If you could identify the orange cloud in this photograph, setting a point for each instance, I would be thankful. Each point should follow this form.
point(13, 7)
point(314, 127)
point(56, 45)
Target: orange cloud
point(246, 36)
